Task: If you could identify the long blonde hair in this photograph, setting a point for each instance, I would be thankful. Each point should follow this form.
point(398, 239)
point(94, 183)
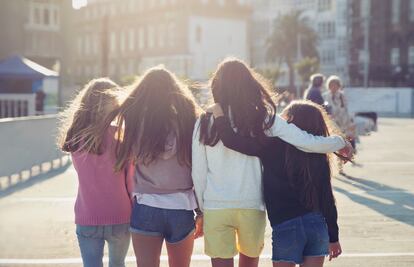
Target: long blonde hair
point(82, 124)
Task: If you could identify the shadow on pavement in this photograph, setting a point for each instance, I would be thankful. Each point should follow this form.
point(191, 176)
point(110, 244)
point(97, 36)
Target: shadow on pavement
point(33, 180)
point(398, 204)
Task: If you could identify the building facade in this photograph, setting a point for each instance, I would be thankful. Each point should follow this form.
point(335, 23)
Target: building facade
point(122, 38)
point(382, 46)
point(328, 18)
point(33, 29)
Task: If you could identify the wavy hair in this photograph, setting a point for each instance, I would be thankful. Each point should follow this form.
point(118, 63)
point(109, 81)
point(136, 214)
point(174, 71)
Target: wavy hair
point(304, 169)
point(245, 98)
point(158, 104)
point(82, 122)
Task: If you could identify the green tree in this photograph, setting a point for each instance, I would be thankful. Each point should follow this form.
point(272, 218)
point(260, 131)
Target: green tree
point(272, 74)
point(291, 36)
point(306, 67)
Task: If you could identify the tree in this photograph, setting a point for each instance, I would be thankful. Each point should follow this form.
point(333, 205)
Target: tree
point(272, 74)
point(291, 37)
point(306, 67)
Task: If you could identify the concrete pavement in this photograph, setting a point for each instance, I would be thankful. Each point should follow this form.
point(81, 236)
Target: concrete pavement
point(375, 203)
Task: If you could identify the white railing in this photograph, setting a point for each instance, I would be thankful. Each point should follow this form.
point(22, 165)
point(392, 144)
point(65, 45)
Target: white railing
point(17, 105)
point(27, 143)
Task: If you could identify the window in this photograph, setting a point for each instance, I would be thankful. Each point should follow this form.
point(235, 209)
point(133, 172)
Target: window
point(95, 45)
point(411, 55)
point(411, 10)
point(161, 36)
point(80, 45)
point(46, 16)
point(395, 56)
point(364, 8)
point(56, 17)
point(37, 19)
point(112, 44)
point(199, 33)
point(87, 44)
point(150, 36)
point(324, 5)
point(141, 38)
point(395, 11)
point(328, 57)
point(131, 39)
point(122, 42)
point(326, 30)
point(171, 34)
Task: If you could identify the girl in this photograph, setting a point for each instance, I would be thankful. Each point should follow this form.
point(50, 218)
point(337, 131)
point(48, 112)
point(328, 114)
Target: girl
point(103, 205)
point(297, 188)
point(229, 184)
point(158, 118)
point(338, 107)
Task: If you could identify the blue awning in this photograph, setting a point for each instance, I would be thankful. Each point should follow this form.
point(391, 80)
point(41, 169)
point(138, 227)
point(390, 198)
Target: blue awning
point(17, 67)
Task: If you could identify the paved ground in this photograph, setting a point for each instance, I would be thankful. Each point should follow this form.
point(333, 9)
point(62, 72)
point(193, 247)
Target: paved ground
point(375, 202)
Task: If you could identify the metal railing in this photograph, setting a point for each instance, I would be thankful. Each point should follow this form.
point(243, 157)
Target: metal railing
point(17, 105)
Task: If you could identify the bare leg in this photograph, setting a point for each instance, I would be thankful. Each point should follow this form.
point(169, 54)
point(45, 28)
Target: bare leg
point(147, 250)
point(218, 262)
point(179, 254)
point(283, 264)
point(313, 262)
point(246, 261)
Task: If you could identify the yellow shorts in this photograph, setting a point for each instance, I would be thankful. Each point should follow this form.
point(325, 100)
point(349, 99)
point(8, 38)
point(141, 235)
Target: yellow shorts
point(229, 231)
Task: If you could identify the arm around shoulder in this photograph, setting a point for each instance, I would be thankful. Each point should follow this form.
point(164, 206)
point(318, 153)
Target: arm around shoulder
point(304, 141)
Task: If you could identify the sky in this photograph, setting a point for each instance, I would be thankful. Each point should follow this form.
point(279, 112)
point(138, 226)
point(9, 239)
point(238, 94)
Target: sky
point(79, 3)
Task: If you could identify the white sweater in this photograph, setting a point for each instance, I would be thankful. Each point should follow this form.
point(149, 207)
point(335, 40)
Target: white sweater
point(224, 178)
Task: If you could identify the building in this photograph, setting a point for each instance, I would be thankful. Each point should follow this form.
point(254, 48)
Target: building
point(32, 29)
point(264, 15)
point(122, 38)
point(328, 18)
point(382, 46)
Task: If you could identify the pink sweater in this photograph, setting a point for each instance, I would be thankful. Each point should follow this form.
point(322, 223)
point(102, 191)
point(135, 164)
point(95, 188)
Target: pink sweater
point(103, 195)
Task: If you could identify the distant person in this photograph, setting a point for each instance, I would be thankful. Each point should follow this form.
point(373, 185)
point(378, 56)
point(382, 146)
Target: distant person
point(338, 106)
point(103, 203)
point(40, 102)
point(297, 187)
point(314, 91)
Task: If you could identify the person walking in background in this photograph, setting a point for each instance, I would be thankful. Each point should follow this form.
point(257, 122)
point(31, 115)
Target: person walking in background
point(228, 184)
point(40, 97)
point(297, 187)
point(314, 91)
point(338, 107)
point(103, 203)
point(156, 121)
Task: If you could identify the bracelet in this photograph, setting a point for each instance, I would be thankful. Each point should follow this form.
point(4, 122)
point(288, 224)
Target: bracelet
point(198, 212)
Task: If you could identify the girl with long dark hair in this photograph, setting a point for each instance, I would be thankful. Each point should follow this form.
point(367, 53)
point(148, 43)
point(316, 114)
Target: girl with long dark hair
point(296, 185)
point(228, 184)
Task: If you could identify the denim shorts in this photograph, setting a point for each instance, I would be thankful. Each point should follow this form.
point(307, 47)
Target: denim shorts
point(304, 236)
point(173, 225)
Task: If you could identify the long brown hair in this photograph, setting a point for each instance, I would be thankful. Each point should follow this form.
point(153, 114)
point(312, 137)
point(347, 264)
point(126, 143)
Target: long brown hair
point(306, 171)
point(158, 105)
point(82, 122)
point(244, 96)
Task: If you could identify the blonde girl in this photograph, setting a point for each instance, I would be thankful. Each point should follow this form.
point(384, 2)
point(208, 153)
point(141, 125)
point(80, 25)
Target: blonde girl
point(103, 205)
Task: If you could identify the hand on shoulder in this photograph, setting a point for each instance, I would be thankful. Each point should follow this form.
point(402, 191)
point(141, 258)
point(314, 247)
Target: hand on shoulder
point(216, 110)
